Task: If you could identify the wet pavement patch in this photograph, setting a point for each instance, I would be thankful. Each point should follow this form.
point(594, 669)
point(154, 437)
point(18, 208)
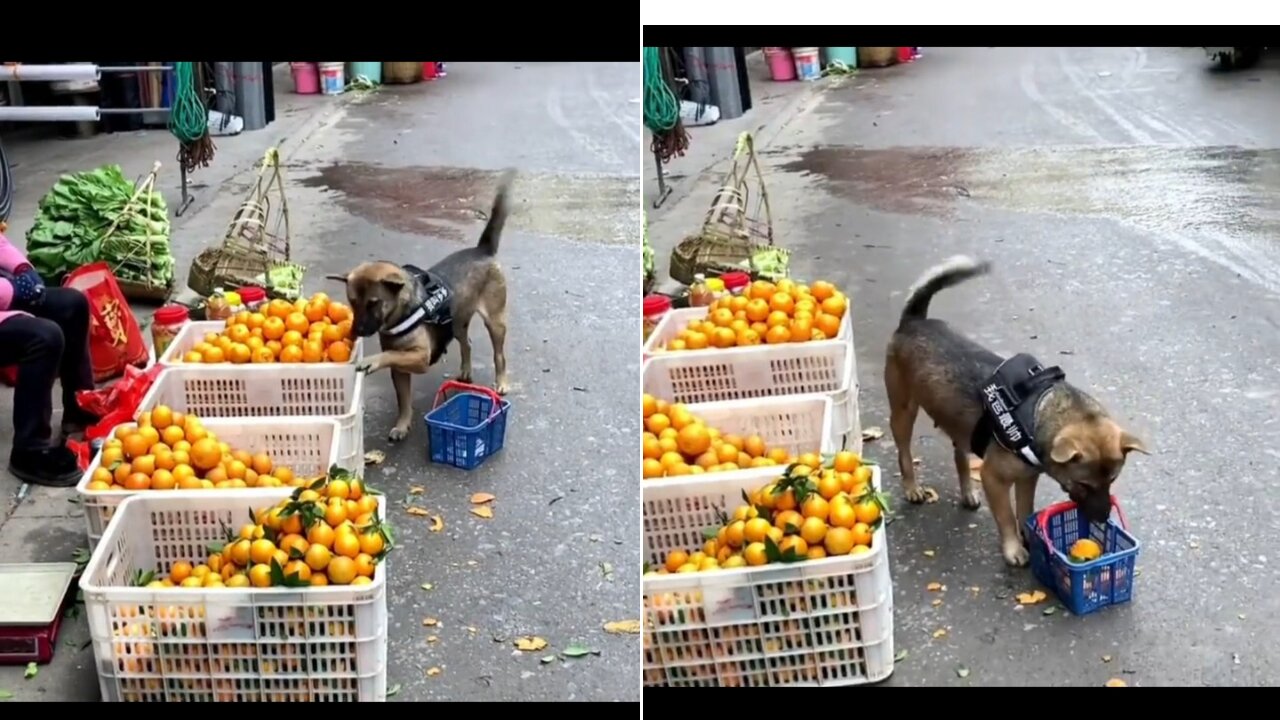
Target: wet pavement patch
point(452, 203)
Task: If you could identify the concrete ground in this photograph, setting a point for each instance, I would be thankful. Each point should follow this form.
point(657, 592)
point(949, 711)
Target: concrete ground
point(406, 174)
point(1127, 199)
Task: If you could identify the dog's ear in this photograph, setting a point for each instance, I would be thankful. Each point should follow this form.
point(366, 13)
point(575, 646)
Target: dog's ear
point(1131, 443)
point(393, 284)
point(1065, 449)
point(340, 278)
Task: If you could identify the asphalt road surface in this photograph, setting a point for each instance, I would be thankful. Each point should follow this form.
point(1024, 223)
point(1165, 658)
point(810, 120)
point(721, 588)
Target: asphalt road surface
point(407, 175)
point(1127, 198)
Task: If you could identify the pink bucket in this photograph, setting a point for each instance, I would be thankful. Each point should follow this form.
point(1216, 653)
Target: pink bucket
point(306, 78)
point(781, 66)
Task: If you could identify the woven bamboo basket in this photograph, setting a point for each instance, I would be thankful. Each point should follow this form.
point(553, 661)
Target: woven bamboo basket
point(256, 240)
point(738, 224)
point(401, 73)
point(877, 56)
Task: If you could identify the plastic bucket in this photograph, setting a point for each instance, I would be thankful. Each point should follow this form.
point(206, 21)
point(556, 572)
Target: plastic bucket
point(846, 55)
point(808, 67)
point(332, 79)
point(306, 78)
point(371, 71)
point(781, 68)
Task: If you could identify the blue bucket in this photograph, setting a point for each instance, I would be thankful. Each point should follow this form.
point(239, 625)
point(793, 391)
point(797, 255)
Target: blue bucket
point(846, 55)
point(468, 428)
point(1089, 586)
point(372, 71)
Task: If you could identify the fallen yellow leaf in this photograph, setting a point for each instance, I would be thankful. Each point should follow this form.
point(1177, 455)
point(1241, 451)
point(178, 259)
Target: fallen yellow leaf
point(432, 639)
point(939, 633)
point(417, 511)
point(433, 672)
point(430, 622)
point(417, 490)
point(621, 627)
point(933, 586)
point(530, 643)
point(483, 511)
point(1117, 682)
point(937, 602)
point(437, 524)
point(482, 498)
point(1031, 598)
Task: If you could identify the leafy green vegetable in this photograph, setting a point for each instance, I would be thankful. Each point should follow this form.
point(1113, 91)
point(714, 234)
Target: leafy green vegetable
point(648, 250)
point(91, 216)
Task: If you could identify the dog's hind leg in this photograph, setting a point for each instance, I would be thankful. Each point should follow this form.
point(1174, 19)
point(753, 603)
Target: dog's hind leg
point(969, 497)
point(403, 383)
point(496, 322)
point(903, 410)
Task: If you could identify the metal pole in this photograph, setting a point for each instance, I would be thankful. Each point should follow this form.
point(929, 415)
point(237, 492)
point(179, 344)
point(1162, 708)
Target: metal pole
point(663, 189)
point(49, 73)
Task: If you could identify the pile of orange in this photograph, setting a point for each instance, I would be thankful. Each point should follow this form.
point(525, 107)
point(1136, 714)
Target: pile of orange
point(306, 331)
point(767, 313)
point(167, 450)
point(809, 513)
point(326, 535)
point(678, 443)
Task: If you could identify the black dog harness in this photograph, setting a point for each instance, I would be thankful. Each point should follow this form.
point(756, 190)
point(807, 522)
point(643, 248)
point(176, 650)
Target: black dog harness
point(436, 307)
point(1009, 400)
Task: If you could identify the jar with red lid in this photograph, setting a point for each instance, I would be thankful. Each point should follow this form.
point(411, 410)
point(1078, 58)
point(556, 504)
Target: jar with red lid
point(656, 307)
point(735, 282)
point(165, 326)
point(252, 297)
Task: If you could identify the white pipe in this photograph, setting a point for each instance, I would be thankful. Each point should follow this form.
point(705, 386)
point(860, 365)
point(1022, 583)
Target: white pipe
point(45, 73)
point(57, 113)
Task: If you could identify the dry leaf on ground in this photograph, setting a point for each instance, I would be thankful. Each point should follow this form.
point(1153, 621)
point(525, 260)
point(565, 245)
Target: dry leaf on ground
point(417, 511)
point(1117, 682)
point(530, 643)
point(482, 498)
point(374, 457)
point(432, 672)
point(416, 490)
point(937, 602)
point(437, 523)
point(872, 433)
point(939, 633)
point(483, 511)
point(621, 627)
point(432, 639)
point(430, 622)
point(933, 586)
point(1031, 598)
point(930, 553)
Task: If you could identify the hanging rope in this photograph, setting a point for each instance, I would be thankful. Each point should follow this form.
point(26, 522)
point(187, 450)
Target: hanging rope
point(662, 109)
point(189, 119)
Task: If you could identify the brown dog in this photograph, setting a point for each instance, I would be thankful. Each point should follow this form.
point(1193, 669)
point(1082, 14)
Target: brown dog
point(417, 313)
point(1021, 418)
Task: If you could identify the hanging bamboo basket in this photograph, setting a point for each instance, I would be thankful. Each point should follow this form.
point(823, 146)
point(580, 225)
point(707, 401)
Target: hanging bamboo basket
point(738, 224)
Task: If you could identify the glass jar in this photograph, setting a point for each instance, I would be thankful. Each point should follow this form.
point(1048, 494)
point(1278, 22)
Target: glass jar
point(217, 307)
point(253, 298)
point(699, 294)
point(656, 307)
point(165, 326)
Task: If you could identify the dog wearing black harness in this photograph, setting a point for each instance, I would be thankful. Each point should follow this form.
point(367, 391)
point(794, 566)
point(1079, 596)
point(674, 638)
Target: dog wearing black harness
point(1021, 418)
point(417, 313)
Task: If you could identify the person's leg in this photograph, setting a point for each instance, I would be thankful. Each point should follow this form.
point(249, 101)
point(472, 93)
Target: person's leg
point(69, 310)
point(35, 346)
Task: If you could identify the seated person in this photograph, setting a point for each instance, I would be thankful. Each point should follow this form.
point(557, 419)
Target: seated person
point(44, 332)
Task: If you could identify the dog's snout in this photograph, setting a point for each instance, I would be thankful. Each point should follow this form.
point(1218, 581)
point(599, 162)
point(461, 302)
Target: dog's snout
point(1096, 506)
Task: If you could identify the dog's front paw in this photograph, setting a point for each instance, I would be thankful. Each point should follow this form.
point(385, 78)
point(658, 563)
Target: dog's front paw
point(398, 433)
point(971, 500)
point(917, 494)
point(1015, 555)
point(503, 387)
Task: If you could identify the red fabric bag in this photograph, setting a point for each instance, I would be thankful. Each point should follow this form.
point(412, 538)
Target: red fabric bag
point(115, 340)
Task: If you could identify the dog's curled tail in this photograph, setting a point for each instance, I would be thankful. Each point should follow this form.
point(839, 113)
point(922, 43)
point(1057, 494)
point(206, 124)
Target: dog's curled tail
point(497, 215)
point(952, 271)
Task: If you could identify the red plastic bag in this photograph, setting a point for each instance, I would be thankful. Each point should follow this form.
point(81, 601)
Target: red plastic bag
point(115, 341)
point(115, 404)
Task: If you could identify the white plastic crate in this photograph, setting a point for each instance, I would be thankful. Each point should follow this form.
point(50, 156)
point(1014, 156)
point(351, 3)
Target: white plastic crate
point(816, 623)
point(317, 644)
point(193, 332)
point(307, 445)
point(242, 391)
point(825, 366)
point(798, 423)
point(676, 320)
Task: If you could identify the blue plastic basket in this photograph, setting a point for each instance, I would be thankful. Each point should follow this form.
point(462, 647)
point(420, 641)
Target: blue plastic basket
point(469, 427)
point(1082, 587)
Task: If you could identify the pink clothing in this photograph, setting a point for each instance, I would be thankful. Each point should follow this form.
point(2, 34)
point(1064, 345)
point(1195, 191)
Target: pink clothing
point(10, 258)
